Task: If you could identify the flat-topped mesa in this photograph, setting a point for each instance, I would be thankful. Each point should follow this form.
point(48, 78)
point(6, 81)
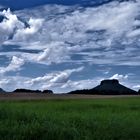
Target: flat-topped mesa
point(112, 87)
point(110, 82)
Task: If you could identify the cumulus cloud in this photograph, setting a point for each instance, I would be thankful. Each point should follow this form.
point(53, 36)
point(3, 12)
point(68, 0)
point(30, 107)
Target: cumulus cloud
point(8, 25)
point(119, 77)
point(15, 65)
point(13, 26)
point(23, 34)
point(54, 53)
point(10, 83)
point(10, 21)
point(136, 86)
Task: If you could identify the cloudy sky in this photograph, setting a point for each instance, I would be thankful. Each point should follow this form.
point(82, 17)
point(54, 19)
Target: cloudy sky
point(65, 45)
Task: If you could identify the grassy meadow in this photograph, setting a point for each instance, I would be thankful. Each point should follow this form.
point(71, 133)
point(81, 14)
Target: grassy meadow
point(82, 119)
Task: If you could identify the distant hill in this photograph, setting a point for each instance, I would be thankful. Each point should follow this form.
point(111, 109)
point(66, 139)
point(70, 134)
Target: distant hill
point(48, 91)
point(32, 91)
point(2, 91)
point(26, 91)
point(107, 87)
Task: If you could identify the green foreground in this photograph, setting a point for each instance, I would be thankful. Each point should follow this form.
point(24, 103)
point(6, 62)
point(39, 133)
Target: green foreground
point(95, 119)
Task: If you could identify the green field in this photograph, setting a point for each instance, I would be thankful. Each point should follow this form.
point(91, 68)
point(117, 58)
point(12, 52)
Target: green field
point(95, 119)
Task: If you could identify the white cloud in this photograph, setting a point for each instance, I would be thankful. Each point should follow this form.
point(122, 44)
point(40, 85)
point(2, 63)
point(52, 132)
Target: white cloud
point(64, 76)
point(12, 25)
point(8, 25)
point(15, 65)
point(53, 80)
point(80, 84)
point(4, 82)
point(10, 22)
point(112, 17)
point(134, 33)
point(54, 53)
point(10, 83)
point(137, 87)
point(119, 77)
point(24, 34)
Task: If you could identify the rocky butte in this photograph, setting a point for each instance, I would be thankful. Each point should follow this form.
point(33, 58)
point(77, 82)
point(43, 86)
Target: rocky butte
point(113, 87)
point(107, 87)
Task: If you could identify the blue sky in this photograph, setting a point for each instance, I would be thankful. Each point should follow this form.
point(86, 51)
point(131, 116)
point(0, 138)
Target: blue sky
point(65, 45)
point(20, 4)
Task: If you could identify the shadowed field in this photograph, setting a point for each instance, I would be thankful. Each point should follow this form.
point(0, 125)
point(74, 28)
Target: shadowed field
point(38, 96)
point(59, 119)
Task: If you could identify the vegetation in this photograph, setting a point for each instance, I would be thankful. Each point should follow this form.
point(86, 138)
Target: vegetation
point(96, 119)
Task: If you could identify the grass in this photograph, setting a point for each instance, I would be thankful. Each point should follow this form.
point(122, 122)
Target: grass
point(97, 119)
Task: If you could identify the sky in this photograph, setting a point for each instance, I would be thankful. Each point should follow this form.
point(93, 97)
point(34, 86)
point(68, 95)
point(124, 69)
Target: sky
point(65, 45)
